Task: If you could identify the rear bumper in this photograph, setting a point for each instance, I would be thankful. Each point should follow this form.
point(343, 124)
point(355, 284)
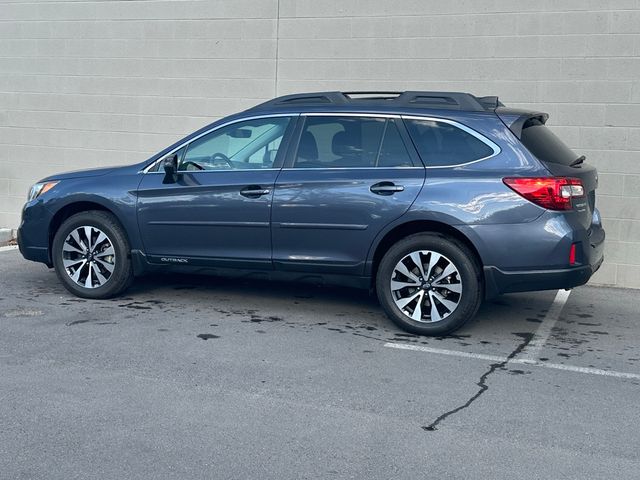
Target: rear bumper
point(499, 281)
point(535, 256)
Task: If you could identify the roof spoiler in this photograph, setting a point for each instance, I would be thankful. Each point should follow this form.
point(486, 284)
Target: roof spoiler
point(516, 119)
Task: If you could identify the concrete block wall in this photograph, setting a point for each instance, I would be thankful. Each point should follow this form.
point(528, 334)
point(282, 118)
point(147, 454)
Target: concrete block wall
point(85, 84)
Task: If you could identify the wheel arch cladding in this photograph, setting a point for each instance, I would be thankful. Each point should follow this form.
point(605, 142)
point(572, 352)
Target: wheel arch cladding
point(77, 207)
point(420, 226)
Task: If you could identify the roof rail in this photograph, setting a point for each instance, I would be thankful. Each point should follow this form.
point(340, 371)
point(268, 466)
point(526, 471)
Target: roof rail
point(418, 99)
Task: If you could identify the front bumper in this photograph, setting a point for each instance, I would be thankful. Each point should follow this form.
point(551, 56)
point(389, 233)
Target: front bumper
point(33, 253)
point(33, 233)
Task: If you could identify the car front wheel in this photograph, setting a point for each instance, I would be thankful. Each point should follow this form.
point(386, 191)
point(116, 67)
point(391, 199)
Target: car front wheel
point(429, 284)
point(91, 255)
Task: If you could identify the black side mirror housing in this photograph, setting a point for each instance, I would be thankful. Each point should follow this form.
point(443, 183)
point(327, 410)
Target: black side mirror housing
point(170, 165)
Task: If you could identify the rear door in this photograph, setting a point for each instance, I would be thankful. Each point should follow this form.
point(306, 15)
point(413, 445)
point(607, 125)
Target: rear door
point(349, 176)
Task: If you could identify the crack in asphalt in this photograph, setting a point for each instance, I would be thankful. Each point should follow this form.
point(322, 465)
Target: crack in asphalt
point(482, 382)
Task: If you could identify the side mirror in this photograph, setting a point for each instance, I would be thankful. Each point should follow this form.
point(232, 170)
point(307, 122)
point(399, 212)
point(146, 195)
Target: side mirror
point(170, 165)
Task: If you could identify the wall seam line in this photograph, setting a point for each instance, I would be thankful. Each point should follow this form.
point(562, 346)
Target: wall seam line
point(277, 59)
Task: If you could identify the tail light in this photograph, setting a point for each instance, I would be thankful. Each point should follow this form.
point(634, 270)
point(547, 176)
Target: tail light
point(553, 193)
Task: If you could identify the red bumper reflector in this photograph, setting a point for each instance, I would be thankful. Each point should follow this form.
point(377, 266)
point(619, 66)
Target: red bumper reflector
point(572, 254)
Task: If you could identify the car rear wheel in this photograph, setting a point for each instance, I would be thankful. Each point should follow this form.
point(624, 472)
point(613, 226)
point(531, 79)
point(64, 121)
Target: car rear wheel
point(91, 255)
point(429, 284)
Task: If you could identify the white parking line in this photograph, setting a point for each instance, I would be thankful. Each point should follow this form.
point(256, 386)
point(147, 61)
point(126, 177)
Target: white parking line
point(10, 247)
point(442, 351)
point(532, 351)
point(518, 361)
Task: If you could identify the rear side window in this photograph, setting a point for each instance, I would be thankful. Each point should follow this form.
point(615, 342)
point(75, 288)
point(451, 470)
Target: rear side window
point(350, 142)
point(543, 143)
point(393, 152)
point(443, 144)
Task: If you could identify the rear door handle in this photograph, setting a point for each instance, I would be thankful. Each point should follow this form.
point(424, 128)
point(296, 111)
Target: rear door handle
point(254, 191)
point(386, 188)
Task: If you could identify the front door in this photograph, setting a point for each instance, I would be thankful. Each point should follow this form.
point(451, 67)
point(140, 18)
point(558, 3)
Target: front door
point(349, 177)
point(217, 211)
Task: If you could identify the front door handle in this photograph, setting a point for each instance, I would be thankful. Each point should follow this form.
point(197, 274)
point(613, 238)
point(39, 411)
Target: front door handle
point(254, 191)
point(386, 188)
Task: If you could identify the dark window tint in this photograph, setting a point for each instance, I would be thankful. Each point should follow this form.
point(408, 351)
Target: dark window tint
point(393, 152)
point(443, 144)
point(543, 143)
point(329, 141)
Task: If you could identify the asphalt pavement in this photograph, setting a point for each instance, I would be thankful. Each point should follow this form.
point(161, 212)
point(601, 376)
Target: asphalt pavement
point(193, 377)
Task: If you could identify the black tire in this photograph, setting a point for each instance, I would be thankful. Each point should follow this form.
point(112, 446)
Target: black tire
point(459, 255)
point(121, 277)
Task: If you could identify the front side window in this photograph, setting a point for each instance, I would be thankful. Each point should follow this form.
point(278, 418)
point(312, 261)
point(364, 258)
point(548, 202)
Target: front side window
point(251, 144)
point(350, 142)
point(443, 144)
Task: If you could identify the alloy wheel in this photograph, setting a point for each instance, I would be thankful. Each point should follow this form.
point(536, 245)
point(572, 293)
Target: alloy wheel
point(426, 286)
point(88, 256)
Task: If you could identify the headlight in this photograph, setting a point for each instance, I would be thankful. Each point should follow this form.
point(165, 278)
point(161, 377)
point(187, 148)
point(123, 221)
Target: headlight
point(40, 188)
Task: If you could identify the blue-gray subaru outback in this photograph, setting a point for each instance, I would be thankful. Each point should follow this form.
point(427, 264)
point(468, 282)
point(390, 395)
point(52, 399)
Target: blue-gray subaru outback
point(436, 200)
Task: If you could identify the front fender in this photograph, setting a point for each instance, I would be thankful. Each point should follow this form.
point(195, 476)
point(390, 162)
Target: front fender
point(115, 193)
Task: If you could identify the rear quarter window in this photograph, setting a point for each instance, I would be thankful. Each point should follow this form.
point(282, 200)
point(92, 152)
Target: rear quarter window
point(544, 144)
point(443, 144)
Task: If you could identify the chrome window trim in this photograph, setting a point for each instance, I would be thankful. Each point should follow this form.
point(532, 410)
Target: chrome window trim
point(495, 147)
point(350, 168)
point(222, 171)
point(213, 129)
